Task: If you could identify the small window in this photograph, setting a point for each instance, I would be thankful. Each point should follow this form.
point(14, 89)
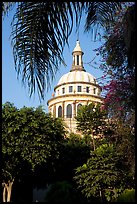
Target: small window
point(63, 90)
point(94, 90)
point(87, 89)
point(70, 88)
point(77, 59)
point(79, 88)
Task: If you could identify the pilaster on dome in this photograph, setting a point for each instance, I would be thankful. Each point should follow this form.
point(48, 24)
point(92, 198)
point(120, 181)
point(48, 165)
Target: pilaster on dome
point(77, 58)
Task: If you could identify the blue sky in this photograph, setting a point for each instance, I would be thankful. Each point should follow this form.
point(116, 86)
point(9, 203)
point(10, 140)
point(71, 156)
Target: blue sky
point(12, 89)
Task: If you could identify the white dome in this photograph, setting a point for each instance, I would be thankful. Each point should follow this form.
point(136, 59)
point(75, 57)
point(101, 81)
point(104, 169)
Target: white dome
point(77, 76)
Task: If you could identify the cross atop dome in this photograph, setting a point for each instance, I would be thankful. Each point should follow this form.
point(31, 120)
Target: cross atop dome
point(77, 58)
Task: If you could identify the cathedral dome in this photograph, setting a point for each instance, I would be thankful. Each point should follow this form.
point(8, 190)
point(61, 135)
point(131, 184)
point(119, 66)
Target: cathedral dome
point(77, 76)
point(74, 89)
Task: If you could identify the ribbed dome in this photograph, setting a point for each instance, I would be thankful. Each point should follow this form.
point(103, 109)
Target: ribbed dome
point(77, 76)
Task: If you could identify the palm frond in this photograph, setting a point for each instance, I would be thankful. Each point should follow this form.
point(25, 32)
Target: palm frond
point(40, 32)
point(129, 35)
point(100, 14)
point(6, 7)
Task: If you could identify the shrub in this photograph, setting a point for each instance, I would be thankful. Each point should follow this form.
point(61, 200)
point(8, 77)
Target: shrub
point(62, 192)
point(128, 195)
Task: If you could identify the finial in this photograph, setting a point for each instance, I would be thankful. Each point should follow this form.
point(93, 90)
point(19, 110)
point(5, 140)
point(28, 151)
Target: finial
point(78, 35)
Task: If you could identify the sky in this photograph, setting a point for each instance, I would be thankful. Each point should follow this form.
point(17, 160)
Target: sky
point(12, 89)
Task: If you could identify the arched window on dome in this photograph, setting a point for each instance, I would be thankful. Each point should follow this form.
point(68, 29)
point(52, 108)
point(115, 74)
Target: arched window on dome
point(79, 106)
point(69, 111)
point(59, 111)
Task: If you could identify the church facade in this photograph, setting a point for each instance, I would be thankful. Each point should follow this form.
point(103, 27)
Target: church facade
point(74, 89)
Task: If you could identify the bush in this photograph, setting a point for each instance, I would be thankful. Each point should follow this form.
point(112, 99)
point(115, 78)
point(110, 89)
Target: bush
point(62, 192)
point(128, 195)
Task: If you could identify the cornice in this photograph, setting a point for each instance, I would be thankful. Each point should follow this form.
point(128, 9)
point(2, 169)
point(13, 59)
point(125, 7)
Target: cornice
point(74, 95)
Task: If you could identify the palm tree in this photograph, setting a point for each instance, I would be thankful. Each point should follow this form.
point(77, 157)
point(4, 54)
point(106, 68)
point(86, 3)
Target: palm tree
point(40, 30)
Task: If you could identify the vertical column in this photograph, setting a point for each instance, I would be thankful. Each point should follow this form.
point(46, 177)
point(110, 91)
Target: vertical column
point(75, 60)
point(80, 60)
point(63, 109)
point(74, 108)
point(54, 111)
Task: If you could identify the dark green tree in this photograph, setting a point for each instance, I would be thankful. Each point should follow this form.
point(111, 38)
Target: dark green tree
point(122, 135)
point(63, 192)
point(29, 135)
point(91, 120)
point(73, 152)
point(104, 175)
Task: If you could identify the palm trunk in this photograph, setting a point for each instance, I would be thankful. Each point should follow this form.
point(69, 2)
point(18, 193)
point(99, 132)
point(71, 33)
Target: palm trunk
point(7, 188)
point(4, 192)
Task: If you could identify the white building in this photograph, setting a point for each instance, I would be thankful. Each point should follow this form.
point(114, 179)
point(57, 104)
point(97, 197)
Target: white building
point(74, 89)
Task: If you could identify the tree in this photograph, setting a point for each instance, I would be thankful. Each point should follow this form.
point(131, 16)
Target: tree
point(73, 152)
point(91, 120)
point(128, 195)
point(123, 137)
point(63, 192)
point(28, 135)
point(103, 175)
point(40, 32)
point(118, 53)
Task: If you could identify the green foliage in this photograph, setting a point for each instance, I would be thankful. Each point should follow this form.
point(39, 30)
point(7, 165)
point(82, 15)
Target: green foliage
point(102, 174)
point(76, 140)
point(73, 153)
point(28, 135)
point(128, 195)
point(91, 119)
point(122, 135)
